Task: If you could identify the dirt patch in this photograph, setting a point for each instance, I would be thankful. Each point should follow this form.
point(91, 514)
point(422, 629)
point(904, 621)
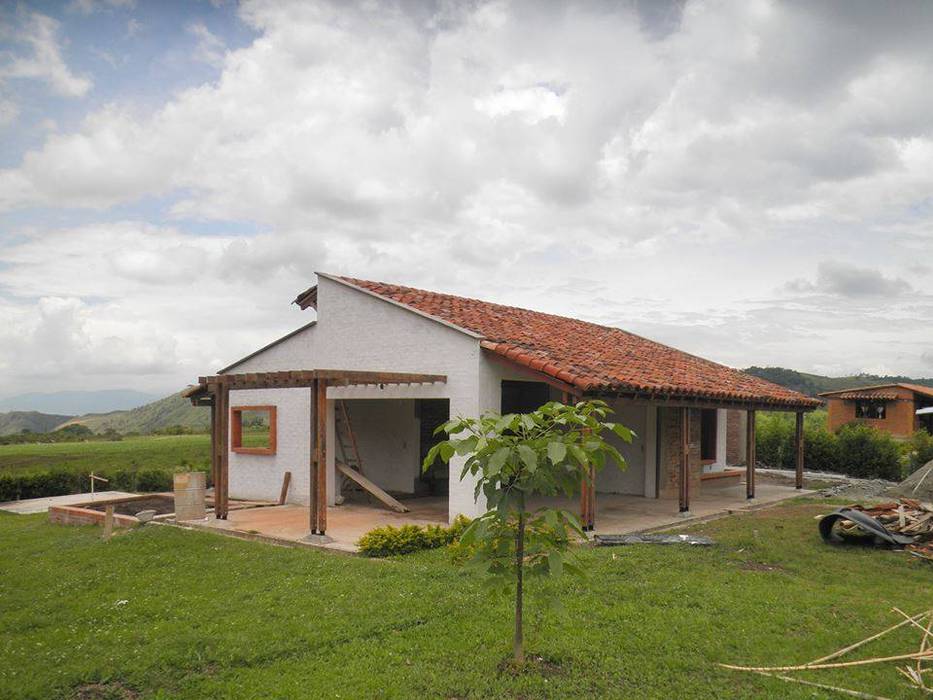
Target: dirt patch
point(160, 504)
point(114, 690)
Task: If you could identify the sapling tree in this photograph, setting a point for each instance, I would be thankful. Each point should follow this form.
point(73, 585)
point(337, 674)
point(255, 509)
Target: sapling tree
point(515, 457)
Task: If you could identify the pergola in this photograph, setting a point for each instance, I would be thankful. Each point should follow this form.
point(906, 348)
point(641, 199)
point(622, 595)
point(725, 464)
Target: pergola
point(214, 391)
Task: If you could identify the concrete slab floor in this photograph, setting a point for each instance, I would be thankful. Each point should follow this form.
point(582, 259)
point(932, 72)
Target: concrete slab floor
point(615, 514)
point(42, 505)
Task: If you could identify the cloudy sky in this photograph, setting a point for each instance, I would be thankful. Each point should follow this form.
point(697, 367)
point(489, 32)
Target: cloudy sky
point(751, 181)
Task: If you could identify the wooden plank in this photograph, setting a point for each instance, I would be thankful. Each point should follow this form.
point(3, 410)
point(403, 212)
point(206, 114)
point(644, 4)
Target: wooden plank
point(286, 481)
point(798, 476)
point(750, 456)
point(305, 378)
point(108, 522)
point(372, 488)
point(684, 459)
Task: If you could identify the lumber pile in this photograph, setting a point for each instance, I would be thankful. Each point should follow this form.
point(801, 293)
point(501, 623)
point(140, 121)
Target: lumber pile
point(906, 516)
point(915, 665)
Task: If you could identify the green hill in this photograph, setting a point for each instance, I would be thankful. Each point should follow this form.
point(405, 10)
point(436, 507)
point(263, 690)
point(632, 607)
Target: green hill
point(31, 421)
point(813, 384)
point(165, 413)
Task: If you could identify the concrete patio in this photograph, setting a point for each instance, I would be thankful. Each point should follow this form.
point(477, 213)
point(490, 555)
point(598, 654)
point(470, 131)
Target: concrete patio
point(616, 514)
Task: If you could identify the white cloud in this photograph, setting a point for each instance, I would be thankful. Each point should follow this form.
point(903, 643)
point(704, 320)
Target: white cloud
point(41, 34)
point(89, 7)
point(499, 149)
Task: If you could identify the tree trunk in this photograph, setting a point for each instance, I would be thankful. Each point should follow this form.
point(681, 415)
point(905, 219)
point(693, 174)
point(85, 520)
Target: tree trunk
point(518, 648)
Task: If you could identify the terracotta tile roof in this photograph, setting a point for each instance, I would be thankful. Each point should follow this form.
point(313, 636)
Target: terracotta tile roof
point(874, 391)
point(876, 395)
point(591, 357)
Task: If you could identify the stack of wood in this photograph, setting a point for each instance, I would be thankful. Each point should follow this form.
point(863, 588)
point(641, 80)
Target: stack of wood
point(906, 516)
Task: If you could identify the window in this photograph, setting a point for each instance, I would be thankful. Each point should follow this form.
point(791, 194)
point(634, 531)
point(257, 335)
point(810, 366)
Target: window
point(708, 430)
point(523, 397)
point(253, 429)
point(870, 408)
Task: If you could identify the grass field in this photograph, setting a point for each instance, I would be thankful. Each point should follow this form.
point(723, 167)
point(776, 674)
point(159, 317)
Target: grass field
point(145, 452)
point(165, 613)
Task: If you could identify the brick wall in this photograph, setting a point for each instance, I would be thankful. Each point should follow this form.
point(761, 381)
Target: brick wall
point(735, 437)
point(73, 515)
point(669, 426)
point(900, 417)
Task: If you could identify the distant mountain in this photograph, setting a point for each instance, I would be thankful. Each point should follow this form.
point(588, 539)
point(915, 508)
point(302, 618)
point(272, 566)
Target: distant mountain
point(813, 384)
point(33, 421)
point(77, 403)
point(164, 413)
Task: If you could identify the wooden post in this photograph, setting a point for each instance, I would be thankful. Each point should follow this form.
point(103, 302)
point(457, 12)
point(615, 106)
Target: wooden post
point(286, 480)
point(321, 416)
point(315, 442)
point(750, 456)
point(214, 451)
point(108, 522)
point(798, 477)
point(684, 460)
point(225, 449)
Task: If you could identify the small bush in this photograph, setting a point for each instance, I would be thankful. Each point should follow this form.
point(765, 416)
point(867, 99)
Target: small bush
point(868, 453)
point(388, 541)
point(820, 450)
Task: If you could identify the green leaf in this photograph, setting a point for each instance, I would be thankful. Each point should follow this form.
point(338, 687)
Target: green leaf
point(447, 451)
point(556, 451)
point(529, 457)
point(494, 466)
point(622, 431)
point(555, 562)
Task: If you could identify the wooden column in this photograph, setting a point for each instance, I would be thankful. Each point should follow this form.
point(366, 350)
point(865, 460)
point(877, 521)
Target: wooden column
point(798, 444)
point(221, 488)
point(750, 456)
point(684, 460)
point(318, 475)
point(215, 450)
point(313, 440)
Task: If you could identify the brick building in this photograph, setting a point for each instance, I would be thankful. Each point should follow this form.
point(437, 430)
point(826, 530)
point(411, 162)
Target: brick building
point(889, 407)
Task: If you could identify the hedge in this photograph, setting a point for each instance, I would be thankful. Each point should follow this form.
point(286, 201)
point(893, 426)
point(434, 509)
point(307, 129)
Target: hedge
point(60, 483)
point(387, 541)
point(857, 449)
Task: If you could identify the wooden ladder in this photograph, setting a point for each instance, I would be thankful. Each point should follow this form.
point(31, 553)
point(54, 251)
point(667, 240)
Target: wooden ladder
point(350, 466)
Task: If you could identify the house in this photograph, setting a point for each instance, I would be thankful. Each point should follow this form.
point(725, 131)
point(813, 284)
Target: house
point(889, 407)
point(387, 364)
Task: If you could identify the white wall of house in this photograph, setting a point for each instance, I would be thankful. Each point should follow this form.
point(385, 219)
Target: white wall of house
point(639, 454)
point(358, 331)
point(388, 437)
point(260, 476)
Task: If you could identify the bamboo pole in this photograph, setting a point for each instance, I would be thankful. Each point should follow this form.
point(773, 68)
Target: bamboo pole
point(841, 664)
point(846, 650)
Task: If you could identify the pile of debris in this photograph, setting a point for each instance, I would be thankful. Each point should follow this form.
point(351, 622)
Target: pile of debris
point(906, 523)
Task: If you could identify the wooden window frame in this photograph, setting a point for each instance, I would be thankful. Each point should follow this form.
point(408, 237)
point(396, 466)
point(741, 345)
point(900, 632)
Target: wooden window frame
point(236, 431)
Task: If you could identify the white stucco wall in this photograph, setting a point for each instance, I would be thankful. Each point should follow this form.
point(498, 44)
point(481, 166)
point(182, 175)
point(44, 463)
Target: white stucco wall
point(355, 330)
point(387, 435)
point(260, 476)
point(632, 479)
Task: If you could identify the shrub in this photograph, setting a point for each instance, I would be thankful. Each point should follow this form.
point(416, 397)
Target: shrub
point(387, 541)
point(918, 450)
point(820, 450)
point(774, 440)
point(868, 453)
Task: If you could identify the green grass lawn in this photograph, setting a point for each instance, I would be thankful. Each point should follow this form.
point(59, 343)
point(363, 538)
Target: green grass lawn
point(144, 452)
point(165, 613)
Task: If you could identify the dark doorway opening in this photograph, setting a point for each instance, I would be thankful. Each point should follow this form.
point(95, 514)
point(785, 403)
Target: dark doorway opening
point(432, 414)
point(708, 435)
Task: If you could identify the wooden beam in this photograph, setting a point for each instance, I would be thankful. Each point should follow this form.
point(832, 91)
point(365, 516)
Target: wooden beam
point(222, 495)
point(750, 456)
point(684, 460)
point(305, 378)
point(798, 476)
point(372, 488)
